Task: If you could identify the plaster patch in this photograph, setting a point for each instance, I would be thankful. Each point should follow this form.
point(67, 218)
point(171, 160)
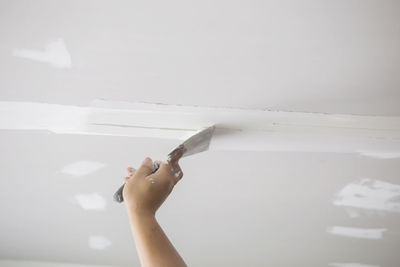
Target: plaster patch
point(55, 54)
point(364, 233)
point(381, 155)
point(99, 242)
point(82, 168)
point(352, 264)
point(370, 194)
point(92, 201)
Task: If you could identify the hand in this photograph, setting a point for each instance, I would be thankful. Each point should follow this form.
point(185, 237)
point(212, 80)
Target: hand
point(145, 192)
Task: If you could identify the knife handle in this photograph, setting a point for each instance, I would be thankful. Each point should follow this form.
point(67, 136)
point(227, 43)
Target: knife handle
point(118, 195)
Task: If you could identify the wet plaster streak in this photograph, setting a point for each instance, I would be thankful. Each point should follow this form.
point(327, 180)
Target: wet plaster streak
point(236, 129)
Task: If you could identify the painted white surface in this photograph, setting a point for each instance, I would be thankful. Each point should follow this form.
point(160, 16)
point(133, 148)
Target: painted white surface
point(334, 56)
point(260, 194)
point(14, 263)
point(271, 203)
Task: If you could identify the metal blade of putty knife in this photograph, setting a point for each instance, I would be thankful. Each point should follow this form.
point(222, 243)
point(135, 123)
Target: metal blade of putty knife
point(195, 144)
point(198, 142)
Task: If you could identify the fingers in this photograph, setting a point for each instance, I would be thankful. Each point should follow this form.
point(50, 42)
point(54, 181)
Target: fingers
point(156, 165)
point(178, 174)
point(131, 171)
point(172, 172)
point(145, 169)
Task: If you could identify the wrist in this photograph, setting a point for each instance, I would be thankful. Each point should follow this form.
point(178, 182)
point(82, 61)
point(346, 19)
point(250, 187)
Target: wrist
point(136, 213)
point(140, 220)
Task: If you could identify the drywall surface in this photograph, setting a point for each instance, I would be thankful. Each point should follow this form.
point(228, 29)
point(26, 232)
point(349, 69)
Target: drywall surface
point(14, 263)
point(264, 170)
point(232, 208)
point(304, 166)
point(334, 56)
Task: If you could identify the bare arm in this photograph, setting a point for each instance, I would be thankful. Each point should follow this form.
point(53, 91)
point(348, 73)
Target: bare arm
point(143, 194)
point(152, 244)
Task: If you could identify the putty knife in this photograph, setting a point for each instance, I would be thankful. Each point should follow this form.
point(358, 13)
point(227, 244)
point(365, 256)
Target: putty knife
point(195, 144)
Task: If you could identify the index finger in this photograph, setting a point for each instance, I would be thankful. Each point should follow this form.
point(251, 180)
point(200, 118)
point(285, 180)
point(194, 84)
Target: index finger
point(176, 154)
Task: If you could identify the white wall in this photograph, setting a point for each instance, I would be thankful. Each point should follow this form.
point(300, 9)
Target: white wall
point(14, 263)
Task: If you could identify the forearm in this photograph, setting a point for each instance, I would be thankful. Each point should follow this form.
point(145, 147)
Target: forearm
point(153, 246)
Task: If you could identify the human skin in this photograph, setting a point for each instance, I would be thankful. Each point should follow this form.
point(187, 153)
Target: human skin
point(144, 193)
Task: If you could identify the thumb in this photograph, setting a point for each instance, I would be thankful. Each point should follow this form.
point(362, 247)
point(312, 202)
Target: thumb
point(145, 169)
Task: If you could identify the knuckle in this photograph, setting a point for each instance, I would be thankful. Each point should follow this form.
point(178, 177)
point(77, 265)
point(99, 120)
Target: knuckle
point(147, 168)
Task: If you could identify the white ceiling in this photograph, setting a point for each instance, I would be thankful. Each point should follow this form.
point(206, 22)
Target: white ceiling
point(232, 208)
point(317, 56)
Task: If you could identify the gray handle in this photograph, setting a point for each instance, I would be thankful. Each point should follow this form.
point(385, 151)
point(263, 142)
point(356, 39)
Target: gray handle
point(118, 195)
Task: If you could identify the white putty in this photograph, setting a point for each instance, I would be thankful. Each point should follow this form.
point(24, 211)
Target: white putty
point(364, 233)
point(92, 201)
point(381, 155)
point(370, 194)
point(195, 117)
point(98, 242)
point(55, 54)
point(237, 129)
point(82, 168)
